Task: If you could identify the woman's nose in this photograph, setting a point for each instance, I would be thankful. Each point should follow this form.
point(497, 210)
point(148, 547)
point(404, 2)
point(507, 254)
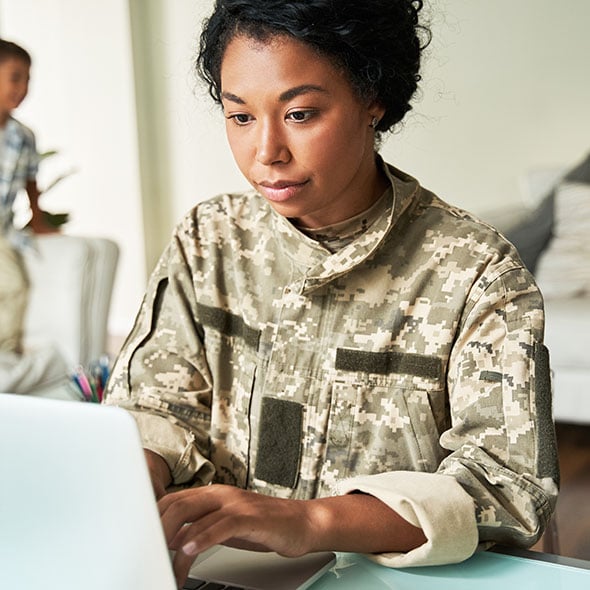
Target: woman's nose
point(271, 146)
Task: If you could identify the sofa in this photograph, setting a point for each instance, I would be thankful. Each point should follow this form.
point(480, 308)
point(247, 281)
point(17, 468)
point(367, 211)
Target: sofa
point(550, 226)
point(71, 280)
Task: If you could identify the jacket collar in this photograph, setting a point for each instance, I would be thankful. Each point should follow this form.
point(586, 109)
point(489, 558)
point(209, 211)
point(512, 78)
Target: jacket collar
point(315, 266)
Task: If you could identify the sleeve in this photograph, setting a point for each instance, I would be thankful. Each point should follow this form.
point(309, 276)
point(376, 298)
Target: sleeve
point(499, 482)
point(161, 374)
point(33, 158)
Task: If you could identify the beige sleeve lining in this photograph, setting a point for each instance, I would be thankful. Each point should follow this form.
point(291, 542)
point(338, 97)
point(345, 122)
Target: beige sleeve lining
point(434, 502)
point(176, 446)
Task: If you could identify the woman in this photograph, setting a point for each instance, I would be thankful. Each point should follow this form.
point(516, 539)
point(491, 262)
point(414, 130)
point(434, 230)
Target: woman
point(352, 363)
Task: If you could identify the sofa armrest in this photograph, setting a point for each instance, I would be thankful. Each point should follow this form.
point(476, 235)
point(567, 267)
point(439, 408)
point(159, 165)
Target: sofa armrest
point(71, 284)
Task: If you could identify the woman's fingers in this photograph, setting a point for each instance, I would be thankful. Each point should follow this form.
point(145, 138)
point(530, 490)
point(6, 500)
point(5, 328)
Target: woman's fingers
point(217, 514)
point(182, 564)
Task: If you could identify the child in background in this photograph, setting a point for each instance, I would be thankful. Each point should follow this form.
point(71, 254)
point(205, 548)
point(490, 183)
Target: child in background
point(18, 169)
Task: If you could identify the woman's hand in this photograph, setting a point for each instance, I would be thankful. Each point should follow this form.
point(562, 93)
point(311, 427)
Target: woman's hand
point(198, 518)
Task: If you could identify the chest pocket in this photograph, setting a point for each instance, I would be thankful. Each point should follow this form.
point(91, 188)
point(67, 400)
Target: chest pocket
point(385, 414)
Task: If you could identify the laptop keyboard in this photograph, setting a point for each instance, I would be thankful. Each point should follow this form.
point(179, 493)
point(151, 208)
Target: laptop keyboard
point(195, 584)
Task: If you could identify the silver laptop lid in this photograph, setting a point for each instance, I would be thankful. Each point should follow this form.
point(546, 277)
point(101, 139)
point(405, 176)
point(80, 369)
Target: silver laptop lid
point(76, 505)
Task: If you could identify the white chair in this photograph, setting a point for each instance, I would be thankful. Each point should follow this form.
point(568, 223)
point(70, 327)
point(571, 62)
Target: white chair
point(66, 325)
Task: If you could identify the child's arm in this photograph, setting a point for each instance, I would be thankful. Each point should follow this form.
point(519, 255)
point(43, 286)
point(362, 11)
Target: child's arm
point(37, 223)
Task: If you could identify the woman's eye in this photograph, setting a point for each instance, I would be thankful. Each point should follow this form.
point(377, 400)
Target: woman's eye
point(240, 118)
point(300, 116)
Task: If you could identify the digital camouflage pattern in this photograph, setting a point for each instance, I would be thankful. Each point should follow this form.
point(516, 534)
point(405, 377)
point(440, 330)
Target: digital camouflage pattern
point(260, 359)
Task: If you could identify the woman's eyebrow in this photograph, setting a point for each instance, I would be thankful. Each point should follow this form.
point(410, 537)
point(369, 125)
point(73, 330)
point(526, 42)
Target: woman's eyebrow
point(299, 90)
point(232, 98)
point(283, 97)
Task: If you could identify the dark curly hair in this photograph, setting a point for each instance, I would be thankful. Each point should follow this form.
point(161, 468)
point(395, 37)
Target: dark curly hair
point(377, 43)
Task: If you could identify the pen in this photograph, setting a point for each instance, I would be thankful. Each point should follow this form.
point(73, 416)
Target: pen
point(84, 383)
point(90, 384)
point(78, 386)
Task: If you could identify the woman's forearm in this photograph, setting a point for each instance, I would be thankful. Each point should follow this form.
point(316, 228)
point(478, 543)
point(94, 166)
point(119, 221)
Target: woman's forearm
point(360, 523)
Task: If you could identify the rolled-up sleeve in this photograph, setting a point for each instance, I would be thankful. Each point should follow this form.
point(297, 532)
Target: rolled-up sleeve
point(435, 503)
point(499, 480)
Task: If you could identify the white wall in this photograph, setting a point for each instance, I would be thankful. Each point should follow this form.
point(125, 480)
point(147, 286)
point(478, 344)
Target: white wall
point(505, 88)
point(195, 151)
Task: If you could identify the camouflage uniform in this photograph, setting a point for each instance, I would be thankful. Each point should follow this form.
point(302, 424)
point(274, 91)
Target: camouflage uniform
point(408, 364)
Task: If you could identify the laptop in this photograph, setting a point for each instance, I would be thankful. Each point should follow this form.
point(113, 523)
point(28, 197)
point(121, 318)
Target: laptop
point(77, 510)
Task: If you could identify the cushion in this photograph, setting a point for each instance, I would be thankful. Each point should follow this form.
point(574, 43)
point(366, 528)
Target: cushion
point(534, 233)
point(563, 269)
point(71, 283)
point(567, 333)
point(581, 173)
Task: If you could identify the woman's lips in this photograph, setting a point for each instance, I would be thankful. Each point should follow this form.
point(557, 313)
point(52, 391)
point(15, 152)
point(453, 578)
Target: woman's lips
point(281, 191)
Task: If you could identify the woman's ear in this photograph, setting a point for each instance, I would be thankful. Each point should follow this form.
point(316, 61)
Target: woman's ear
point(376, 112)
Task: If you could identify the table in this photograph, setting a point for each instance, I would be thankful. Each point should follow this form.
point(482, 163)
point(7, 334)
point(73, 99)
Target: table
point(489, 570)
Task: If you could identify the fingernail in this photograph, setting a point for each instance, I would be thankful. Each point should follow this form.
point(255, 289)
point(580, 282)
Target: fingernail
point(190, 548)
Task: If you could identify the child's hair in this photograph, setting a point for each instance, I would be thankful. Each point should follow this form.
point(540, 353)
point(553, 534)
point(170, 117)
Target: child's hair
point(8, 50)
point(376, 43)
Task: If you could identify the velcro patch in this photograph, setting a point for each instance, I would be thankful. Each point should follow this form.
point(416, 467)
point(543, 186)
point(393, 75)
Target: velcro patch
point(384, 363)
point(279, 442)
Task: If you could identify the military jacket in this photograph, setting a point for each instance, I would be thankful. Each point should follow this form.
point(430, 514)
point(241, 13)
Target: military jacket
point(408, 364)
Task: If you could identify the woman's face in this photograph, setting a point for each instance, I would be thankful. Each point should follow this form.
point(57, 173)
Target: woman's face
point(298, 131)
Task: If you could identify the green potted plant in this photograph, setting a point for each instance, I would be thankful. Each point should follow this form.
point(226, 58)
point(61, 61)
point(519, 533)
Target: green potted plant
point(55, 220)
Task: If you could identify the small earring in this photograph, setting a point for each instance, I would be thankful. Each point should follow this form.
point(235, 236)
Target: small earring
point(374, 122)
